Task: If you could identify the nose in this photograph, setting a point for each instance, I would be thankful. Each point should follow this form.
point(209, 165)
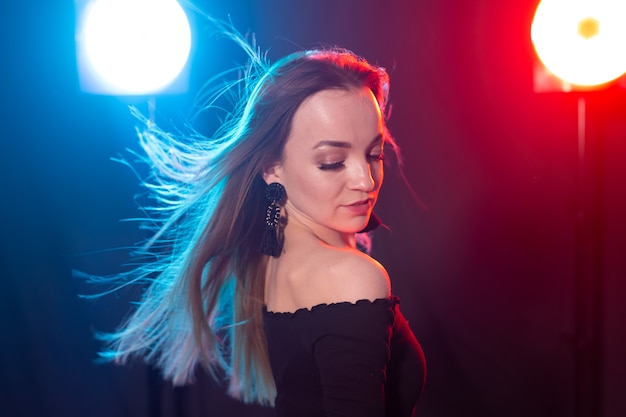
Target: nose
point(363, 178)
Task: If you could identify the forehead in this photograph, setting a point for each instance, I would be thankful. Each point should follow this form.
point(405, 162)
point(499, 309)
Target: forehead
point(347, 115)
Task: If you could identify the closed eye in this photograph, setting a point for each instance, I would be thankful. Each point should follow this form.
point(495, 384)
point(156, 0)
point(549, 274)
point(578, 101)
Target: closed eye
point(332, 167)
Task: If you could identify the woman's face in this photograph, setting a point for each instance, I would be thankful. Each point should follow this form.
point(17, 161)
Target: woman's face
point(332, 163)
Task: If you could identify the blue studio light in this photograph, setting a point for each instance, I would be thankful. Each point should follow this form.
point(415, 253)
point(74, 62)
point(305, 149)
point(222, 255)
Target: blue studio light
point(132, 47)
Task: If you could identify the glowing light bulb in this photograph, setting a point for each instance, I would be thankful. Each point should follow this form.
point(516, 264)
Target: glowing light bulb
point(134, 46)
point(583, 42)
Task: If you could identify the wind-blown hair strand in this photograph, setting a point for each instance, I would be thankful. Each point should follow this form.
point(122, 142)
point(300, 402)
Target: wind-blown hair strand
point(203, 304)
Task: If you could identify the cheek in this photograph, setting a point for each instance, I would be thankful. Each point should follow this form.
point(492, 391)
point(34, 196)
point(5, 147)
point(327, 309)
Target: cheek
point(321, 185)
point(313, 187)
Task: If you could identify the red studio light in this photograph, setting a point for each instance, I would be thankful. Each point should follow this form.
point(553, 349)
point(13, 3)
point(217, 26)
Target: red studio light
point(582, 42)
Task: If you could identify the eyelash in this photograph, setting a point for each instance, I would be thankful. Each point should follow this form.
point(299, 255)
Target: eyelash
point(331, 167)
point(338, 165)
point(379, 157)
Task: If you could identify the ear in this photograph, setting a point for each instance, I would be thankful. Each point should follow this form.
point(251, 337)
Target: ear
point(273, 173)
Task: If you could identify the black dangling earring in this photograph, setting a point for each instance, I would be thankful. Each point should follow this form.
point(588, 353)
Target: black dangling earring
point(273, 239)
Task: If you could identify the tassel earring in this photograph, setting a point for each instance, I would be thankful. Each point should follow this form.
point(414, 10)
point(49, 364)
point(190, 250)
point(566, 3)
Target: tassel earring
point(273, 239)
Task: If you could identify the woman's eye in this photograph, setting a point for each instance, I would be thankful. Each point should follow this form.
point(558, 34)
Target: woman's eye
point(377, 157)
point(331, 167)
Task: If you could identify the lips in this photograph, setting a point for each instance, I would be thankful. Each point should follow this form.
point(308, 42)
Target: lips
point(360, 203)
point(360, 207)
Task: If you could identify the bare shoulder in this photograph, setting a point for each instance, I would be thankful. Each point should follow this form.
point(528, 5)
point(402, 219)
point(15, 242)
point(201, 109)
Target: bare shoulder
point(351, 275)
point(319, 274)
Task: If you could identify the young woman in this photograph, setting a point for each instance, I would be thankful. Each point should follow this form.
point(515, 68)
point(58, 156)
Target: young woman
point(257, 274)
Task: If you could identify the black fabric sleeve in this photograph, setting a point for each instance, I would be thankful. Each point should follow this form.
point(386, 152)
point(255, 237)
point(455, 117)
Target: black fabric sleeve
point(406, 371)
point(351, 350)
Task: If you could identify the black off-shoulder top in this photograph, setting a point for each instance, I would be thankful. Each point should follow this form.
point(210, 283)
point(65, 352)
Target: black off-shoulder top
point(345, 359)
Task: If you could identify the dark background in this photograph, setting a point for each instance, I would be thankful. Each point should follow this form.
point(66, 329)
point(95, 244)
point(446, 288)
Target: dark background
point(518, 305)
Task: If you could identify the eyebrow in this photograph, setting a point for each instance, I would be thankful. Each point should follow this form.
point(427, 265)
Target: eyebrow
point(340, 144)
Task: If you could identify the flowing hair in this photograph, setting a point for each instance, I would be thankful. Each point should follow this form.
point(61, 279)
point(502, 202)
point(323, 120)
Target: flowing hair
point(205, 273)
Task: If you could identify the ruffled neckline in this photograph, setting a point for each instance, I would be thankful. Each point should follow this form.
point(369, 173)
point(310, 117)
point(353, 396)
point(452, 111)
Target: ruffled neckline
point(391, 301)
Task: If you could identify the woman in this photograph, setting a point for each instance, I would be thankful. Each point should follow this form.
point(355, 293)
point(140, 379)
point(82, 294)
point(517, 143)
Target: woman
point(257, 276)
